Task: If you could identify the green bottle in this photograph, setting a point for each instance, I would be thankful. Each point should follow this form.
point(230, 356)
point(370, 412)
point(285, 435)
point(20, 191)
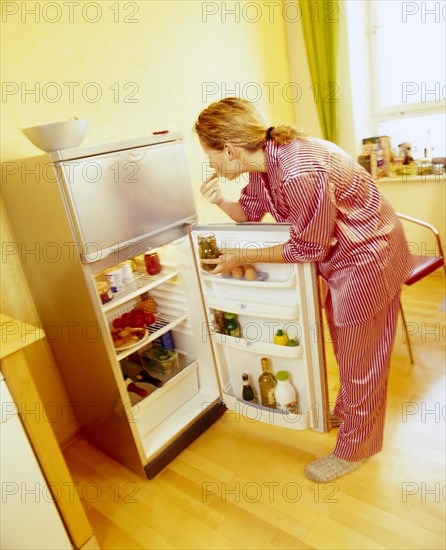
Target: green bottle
point(247, 392)
point(232, 326)
point(267, 385)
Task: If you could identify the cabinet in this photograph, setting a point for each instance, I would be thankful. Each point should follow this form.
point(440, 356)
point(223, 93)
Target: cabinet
point(37, 489)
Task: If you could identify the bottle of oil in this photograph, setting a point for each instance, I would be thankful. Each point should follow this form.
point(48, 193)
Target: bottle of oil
point(267, 384)
point(247, 392)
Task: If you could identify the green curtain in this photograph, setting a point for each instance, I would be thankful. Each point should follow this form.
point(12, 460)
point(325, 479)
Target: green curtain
point(320, 20)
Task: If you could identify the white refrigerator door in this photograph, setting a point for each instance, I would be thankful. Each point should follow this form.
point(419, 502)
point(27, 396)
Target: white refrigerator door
point(283, 296)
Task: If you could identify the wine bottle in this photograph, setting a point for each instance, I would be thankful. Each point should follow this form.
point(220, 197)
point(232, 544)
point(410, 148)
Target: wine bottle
point(136, 389)
point(144, 376)
point(267, 384)
point(247, 392)
point(132, 368)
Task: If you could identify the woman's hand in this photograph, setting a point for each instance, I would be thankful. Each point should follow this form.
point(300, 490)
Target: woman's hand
point(225, 263)
point(210, 189)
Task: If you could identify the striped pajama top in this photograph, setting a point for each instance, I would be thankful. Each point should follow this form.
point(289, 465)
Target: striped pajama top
point(338, 219)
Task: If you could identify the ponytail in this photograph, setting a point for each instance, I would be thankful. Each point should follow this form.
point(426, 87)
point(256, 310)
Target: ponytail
point(237, 121)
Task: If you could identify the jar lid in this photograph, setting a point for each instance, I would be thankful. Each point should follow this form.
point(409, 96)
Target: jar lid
point(229, 315)
point(282, 375)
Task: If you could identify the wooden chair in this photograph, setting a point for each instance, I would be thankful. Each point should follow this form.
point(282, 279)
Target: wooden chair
point(424, 266)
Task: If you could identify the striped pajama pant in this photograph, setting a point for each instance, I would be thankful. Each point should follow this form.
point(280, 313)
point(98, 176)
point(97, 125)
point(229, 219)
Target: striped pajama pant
point(363, 355)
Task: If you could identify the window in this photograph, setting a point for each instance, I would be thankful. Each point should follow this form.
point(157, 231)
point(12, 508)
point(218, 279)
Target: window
point(408, 72)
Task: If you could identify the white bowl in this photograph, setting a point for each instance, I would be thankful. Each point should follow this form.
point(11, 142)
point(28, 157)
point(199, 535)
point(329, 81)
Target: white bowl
point(58, 135)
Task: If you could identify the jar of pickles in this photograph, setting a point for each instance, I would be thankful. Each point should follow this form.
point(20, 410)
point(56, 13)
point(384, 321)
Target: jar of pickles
point(207, 249)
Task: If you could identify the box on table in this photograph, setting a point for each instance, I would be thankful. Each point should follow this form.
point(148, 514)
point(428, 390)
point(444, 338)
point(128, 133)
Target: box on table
point(379, 145)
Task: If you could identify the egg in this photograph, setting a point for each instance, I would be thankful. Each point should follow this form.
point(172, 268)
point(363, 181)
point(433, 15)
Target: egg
point(237, 272)
point(250, 272)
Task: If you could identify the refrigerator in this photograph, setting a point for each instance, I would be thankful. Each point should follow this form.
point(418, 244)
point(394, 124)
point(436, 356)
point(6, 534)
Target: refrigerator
point(79, 214)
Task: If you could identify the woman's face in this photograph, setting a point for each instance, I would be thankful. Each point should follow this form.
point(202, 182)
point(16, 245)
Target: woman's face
point(223, 162)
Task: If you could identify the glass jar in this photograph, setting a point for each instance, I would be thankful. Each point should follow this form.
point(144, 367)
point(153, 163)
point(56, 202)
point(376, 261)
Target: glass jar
point(152, 261)
point(207, 249)
point(232, 327)
point(104, 291)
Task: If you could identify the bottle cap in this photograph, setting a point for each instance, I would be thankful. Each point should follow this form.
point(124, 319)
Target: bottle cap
point(229, 315)
point(244, 376)
point(282, 375)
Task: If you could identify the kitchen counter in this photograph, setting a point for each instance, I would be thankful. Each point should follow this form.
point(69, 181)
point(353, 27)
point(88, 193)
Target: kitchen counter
point(422, 197)
point(16, 336)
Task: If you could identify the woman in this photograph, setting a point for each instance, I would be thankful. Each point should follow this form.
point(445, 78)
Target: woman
point(338, 220)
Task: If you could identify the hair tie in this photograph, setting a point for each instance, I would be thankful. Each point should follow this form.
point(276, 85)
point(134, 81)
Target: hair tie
point(268, 133)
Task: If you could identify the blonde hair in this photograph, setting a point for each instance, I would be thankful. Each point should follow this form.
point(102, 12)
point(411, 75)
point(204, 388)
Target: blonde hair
point(238, 121)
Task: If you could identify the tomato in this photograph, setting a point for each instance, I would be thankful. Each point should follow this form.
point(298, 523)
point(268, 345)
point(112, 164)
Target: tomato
point(137, 314)
point(118, 323)
point(126, 318)
point(149, 318)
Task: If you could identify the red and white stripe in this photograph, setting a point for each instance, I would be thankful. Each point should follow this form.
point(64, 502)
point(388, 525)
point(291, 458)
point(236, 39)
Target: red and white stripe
point(340, 220)
point(363, 355)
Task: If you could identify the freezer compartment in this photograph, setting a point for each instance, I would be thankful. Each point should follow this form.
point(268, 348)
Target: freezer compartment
point(133, 193)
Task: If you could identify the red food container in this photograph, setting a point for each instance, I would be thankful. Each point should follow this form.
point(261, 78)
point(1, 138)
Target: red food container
point(152, 262)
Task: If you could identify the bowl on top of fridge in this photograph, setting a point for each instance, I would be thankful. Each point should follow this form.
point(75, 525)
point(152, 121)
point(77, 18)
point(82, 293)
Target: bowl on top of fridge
point(57, 135)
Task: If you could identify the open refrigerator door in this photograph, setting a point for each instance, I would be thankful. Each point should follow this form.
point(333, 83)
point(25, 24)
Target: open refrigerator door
point(271, 297)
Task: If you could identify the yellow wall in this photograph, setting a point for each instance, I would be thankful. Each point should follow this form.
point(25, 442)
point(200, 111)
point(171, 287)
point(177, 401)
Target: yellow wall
point(156, 65)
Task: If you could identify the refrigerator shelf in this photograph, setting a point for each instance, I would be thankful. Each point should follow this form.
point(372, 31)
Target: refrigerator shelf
point(272, 311)
point(262, 348)
point(267, 283)
point(163, 324)
point(140, 284)
point(260, 413)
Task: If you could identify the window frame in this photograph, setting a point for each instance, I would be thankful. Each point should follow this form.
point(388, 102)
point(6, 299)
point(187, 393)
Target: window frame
point(402, 110)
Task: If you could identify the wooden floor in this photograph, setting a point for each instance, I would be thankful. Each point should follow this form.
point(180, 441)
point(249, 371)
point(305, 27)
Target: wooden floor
point(242, 484)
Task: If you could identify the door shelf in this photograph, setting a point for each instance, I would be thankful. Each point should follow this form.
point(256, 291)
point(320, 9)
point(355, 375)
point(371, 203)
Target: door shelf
point(262, 348)
point(269, 282)
point(273, 311)
point(270, 416)
point(163, 324)
point(141, 283)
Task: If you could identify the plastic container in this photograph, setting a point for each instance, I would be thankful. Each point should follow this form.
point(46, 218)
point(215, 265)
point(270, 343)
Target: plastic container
point(162, 360)
point(284, 391)
point(114, 277)
point(127, 271)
